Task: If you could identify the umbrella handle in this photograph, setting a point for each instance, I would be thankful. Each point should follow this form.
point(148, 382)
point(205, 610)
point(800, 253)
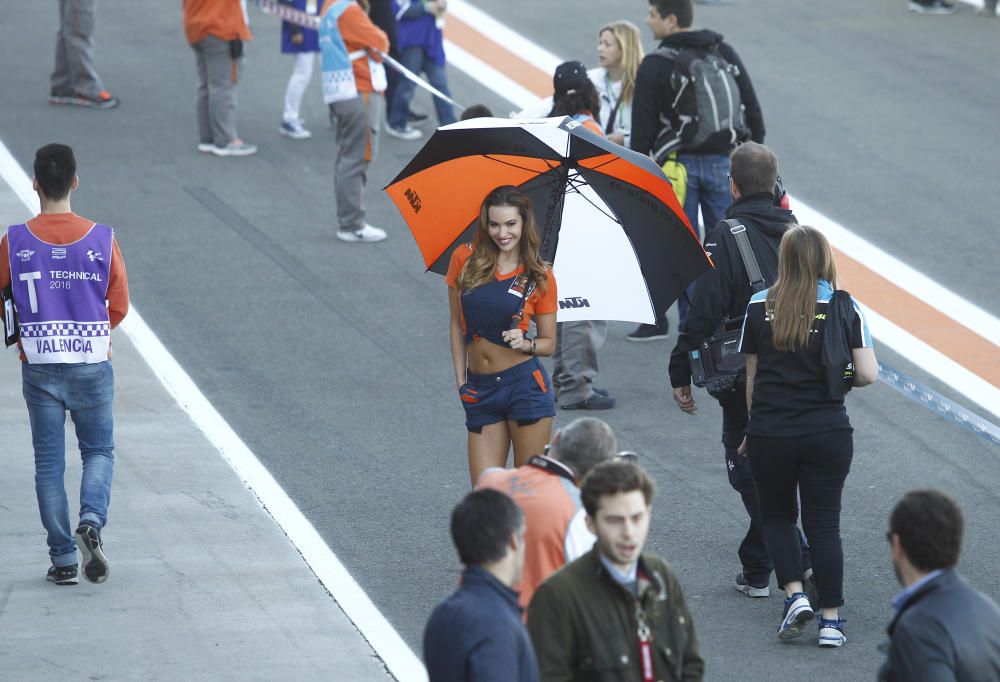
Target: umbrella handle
point(516, 318)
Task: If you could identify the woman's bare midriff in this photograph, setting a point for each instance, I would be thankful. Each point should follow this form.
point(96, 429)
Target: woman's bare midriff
point(486, 357)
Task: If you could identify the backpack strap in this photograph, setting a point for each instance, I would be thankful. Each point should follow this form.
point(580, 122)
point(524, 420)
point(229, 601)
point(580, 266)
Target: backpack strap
point(739, 232)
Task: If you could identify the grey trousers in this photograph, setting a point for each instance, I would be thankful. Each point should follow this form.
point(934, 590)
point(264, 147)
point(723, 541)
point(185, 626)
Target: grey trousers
point(75, 73)
point(357, 146)
point(215, 100)
point(575, 360)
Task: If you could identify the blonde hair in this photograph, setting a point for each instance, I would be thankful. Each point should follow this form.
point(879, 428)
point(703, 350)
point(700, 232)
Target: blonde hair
point(803, 258)
point(630, 42)
point(481, 267)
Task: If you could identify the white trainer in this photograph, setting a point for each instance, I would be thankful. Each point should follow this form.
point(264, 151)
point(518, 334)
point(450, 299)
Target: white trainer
point(797, 613)
point(294, 130)
point(406, 133)
point(368, 233)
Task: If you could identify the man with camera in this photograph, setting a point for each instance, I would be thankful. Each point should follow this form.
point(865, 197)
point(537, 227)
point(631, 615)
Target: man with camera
point(718, 303)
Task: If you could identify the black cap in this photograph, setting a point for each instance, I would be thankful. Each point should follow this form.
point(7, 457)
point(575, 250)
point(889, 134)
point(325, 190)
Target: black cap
point(569, 76)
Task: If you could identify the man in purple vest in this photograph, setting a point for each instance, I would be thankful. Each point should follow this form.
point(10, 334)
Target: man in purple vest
point(70, 289)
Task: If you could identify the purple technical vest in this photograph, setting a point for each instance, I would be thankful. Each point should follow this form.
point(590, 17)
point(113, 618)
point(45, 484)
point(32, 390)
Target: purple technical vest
point(61, 295)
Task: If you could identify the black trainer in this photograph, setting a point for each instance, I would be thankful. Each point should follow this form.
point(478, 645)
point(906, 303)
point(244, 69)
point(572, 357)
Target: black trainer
point(650, 332)
point(938, 7)
point(594, 402)
point(95, 564)
point(63, 575)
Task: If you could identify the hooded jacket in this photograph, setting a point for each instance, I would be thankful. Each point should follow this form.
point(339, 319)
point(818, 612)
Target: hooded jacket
point(725, 291)
point(654, 94)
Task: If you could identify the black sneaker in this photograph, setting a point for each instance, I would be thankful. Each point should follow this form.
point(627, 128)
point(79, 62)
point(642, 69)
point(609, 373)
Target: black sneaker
point(103, 100)
point(749, 590)
point(63, 575)
point(650, 332)
point(932, 7)
point(602, 392)
point(594, 402)
point(95, 564)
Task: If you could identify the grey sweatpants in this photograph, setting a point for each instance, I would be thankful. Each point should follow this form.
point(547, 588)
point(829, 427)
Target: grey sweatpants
point(75, 73)
point(357, 145)
point(575, 361)
point(215, 100)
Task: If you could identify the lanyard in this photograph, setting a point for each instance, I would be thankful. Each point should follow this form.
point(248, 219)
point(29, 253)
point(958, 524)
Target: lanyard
point(645, 645)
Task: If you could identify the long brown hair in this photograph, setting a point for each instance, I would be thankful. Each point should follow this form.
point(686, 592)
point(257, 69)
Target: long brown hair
point(481, 267)
point(630, 42)
point(803, 258)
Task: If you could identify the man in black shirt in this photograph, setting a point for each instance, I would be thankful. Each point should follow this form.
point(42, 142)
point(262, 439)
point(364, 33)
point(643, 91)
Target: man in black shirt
point(655, 106)
point(723, 293)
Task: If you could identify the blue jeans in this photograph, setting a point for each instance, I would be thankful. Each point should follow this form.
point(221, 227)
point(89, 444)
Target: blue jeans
point(87, 391)
point(415, 59)
point(707, 188)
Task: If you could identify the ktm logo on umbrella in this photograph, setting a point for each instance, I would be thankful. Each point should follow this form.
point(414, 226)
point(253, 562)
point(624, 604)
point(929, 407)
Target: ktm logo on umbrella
point(574, 302)
point(413, 198)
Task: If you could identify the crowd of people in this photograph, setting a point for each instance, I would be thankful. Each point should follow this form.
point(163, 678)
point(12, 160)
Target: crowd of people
point(557, 584)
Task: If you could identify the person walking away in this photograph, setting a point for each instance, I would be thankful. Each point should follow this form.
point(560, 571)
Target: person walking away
point(575, 368)
point(421, 48)
point(70, 289)
point(801, 337)
point(74, 79)
point(546, 490)
point(616, 613)
point(944, 629)
point(720, 298)
point(476, 634)
point(303, 44)
point(688, 70)
point(354, 79)
point(216, 31)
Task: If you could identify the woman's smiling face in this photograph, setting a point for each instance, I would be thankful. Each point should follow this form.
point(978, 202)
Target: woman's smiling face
point(505, 225)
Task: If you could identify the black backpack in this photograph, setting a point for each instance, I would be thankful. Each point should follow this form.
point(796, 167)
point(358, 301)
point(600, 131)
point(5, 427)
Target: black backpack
point(707, 106)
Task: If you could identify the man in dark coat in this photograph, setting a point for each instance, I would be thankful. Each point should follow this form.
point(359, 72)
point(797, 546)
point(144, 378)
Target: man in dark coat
point(723, 294)
point(476, 633)
point(616, 613)
point(944, 629)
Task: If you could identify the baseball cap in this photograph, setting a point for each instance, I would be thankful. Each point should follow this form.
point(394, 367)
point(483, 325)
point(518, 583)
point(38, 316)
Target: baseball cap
point(569, 76)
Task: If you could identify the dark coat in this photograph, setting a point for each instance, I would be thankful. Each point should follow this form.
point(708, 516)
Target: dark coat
point(477, 635)
point(654, 95)
point(725, 290)
point(947, 632)
point(585, 628)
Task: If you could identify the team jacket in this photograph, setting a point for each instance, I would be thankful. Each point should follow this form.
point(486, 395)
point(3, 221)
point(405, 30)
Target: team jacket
point(359, 33)
point(725, 290)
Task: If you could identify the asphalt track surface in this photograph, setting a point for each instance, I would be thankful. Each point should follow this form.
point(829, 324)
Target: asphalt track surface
point(331, 360)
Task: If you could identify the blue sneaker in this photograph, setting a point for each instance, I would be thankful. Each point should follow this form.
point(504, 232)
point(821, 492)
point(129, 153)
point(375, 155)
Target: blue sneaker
point(831, 632)
point(797, 613)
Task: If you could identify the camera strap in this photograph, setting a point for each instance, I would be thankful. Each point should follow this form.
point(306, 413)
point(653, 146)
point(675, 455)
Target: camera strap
point(739, 232)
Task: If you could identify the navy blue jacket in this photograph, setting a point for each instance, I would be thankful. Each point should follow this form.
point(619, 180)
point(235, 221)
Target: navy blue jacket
point(476, 634)
point(946, 632)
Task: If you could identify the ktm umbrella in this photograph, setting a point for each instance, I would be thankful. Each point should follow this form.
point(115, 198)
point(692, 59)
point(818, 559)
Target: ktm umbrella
point(620, 245)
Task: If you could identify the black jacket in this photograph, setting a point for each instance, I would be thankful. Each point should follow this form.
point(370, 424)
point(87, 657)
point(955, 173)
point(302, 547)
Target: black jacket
point(654, 95)
point(947, 632)
point(477, 634)
point(725, 290)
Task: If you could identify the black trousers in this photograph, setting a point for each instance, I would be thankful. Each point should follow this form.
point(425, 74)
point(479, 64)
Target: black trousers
point(752, 552)
point(815, 467)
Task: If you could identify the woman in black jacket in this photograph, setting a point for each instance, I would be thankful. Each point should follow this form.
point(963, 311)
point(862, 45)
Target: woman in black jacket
point(799, 439)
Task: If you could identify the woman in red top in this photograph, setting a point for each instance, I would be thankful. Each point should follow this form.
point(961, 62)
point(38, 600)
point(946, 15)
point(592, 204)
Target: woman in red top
point(497, 285)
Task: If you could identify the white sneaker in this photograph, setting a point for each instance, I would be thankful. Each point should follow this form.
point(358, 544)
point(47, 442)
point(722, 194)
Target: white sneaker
point(407, 133)
point(831, 632)
point(206, 147)
point(939, 7)
point(295, 130)
point(235, 148)
point(749, 590)
point(797, 613)
point(368, 233)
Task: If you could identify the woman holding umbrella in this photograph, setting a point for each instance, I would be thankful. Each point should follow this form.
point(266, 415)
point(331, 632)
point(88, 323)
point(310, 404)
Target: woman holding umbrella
point(497, 286)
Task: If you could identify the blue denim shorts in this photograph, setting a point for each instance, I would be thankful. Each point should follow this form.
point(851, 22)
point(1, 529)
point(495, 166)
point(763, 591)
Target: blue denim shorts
point(522, 393)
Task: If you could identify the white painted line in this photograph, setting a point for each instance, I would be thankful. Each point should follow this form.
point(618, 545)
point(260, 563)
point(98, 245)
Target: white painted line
point(400, 660)
point(494, 80)
point(942, 299)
